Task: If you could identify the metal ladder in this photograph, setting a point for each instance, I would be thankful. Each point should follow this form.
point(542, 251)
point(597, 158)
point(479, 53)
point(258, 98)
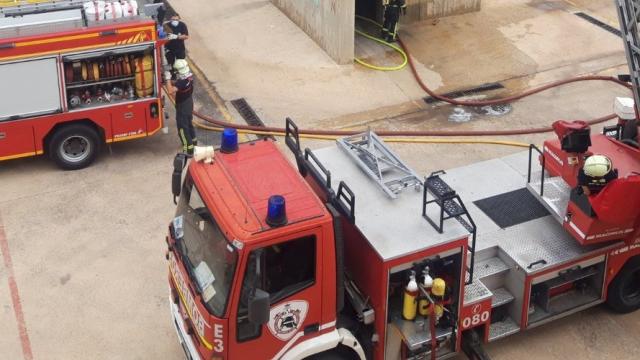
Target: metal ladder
point(629, 16)
point(381, 164)
point(451, 206)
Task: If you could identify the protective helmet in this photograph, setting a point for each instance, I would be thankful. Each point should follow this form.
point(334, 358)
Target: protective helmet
point(438, 287)
point(181, 67)
point(597, 166)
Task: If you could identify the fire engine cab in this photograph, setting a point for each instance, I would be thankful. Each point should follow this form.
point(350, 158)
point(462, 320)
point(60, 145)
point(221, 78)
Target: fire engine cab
point(77, 74)
point(352, 255)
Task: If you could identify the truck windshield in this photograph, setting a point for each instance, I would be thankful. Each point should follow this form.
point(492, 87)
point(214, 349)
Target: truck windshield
point(206, 253)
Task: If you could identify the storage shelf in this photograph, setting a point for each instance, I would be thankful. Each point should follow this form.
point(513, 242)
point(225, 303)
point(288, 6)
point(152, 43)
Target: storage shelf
point(76, 85)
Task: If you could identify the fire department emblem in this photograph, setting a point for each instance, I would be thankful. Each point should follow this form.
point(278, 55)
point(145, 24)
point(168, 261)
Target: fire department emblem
point(286, 319)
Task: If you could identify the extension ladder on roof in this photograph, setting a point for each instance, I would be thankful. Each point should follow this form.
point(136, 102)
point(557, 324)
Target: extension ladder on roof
point(372, 155)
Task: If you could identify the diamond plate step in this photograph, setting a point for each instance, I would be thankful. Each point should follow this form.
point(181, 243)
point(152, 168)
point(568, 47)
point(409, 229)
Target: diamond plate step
point(555, 197)
point(489, 267)
point(501, 329)
point(475, 291)
point(501, 296)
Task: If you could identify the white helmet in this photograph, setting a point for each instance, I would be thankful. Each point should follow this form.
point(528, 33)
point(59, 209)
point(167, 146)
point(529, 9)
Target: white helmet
point(182, 67)
point(597, 166)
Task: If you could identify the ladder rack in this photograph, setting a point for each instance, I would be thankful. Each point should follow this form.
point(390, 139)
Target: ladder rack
point(18, 7)
point(381, 164)
point(629, 16)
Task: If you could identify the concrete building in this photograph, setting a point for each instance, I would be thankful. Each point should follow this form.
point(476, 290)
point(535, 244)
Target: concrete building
point(331, 23)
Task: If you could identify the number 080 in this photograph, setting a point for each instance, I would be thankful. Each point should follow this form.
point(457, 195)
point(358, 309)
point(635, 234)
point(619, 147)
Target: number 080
point(475, 319)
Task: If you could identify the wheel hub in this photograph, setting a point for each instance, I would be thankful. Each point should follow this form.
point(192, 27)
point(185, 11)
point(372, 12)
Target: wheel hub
point(75, 148)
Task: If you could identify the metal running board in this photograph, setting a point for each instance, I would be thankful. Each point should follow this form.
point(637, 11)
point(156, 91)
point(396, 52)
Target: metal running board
point(381, 164)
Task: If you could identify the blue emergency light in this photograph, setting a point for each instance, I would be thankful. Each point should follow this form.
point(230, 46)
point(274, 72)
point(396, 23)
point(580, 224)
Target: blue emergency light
point(229, 141)
point(276, 211)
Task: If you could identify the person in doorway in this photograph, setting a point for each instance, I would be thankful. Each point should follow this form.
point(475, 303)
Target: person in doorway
point(161, 12)
point(596, 173)
point(177, 34)
point(182, 90)
point(392, 9)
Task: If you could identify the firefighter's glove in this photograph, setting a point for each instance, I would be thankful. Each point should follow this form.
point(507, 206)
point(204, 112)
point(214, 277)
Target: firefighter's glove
point(172, 36)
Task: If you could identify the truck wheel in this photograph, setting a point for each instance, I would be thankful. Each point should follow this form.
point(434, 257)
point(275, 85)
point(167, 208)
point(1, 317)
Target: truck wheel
point(624, 291)
point(339, 353)
point(74, 146)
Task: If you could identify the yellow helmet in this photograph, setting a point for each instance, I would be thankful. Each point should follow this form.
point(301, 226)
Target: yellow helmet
point(438, 287)
point(597, 166)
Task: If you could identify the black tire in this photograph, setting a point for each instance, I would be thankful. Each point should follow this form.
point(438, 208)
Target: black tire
point(74, 146)
point(339, 353)
point(624, 291)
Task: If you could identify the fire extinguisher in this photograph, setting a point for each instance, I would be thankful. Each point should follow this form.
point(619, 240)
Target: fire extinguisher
point(410, 305)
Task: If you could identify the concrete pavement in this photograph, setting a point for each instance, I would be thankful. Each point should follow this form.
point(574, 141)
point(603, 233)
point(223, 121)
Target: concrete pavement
point(87, 247)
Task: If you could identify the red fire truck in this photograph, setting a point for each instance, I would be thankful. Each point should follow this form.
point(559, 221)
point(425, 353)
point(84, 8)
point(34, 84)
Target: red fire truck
point(75, 75)
point(354, 256)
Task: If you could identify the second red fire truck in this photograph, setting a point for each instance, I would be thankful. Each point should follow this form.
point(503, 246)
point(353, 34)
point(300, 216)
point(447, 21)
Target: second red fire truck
point(76, 75)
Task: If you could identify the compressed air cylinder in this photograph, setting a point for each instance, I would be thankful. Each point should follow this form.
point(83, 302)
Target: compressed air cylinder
point(427, 283)
point(410, 305)
point(438, 289)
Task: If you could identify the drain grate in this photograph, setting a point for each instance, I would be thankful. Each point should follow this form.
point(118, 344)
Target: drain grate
point(598, 23)
point(249, 115)
point(512, 208)
point(466, 92)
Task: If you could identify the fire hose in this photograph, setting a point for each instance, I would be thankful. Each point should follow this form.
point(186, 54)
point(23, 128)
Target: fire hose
point(418, 136)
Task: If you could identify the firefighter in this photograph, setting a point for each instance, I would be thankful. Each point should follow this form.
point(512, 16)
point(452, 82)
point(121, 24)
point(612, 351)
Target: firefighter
point(392, 10)
point(161, 12)
point(595, 174)
point(182, 89)
point(178, 33)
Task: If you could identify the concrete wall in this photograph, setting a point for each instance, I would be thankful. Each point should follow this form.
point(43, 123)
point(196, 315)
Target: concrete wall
point(430, 9)
point(329, 22)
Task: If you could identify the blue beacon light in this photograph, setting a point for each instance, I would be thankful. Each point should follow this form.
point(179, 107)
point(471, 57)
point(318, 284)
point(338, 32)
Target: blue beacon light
point(229, 141)
point(276, 211)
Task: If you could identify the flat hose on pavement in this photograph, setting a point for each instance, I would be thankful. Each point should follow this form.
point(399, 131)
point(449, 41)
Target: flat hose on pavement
point(438, 133)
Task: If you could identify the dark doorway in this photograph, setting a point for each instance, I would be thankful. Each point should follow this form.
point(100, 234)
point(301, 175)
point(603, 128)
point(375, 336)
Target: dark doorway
point(371, 9)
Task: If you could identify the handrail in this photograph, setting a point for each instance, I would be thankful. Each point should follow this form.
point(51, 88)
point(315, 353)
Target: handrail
point(544, 162)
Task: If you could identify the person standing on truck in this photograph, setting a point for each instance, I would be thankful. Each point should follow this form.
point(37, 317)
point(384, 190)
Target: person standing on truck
point(596, 173)
point(392, 10)
point(182, 90)
point(161, 12)
point(177, 34)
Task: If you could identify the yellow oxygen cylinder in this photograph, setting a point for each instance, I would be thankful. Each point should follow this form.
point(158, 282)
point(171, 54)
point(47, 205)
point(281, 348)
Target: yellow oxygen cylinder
point(427, 283)
point(438, 289)
point(410, 305)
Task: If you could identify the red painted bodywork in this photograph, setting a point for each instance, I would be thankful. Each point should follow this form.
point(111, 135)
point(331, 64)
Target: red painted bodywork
point(116, 122)
point(235, 188)
point(589, 230)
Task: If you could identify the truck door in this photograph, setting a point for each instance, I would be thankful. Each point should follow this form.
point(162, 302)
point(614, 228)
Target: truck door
point(22, 100)
point(290, 272)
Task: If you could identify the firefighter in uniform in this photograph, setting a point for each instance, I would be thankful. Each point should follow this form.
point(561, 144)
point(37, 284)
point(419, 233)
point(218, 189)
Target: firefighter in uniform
point(178, 33)
point(182, 89)
point(596, 173)
point(392, 10)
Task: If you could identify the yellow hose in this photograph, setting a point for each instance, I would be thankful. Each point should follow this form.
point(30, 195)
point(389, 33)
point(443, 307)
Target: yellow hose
point(394, 47)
